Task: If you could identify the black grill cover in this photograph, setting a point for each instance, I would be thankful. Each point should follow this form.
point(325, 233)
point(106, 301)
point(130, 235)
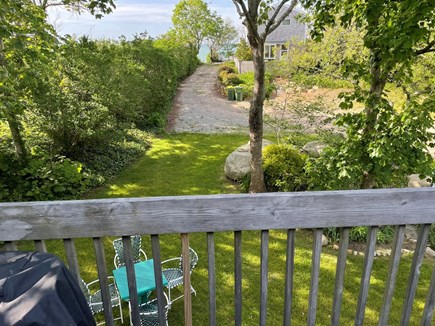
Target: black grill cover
point(37, 289)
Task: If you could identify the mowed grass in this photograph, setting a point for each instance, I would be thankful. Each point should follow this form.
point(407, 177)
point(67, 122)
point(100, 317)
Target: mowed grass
point(188, 164)
point(179, 164)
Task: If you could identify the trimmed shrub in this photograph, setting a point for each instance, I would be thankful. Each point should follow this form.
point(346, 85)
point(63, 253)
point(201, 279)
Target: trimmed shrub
point(284, 168)
point(359, 234)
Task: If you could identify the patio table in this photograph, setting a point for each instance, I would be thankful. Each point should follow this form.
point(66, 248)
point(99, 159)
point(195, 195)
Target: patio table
point(145, 280)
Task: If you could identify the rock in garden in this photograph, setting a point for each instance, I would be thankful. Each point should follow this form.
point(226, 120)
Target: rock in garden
point(414, 181)
point(314, 148)
point(335, 247)
point(237, 163)
point(324, 240)
point(430, 252)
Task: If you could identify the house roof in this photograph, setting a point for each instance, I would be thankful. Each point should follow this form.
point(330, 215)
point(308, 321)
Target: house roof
point(285, 33)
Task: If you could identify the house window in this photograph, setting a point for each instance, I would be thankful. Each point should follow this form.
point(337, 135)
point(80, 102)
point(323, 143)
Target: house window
point(269, 51)
point(284, 50)
point(286, 22)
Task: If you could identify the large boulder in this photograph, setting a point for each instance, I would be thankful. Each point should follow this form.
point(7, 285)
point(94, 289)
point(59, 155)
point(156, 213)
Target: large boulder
point(414, 181)
point(314, 148)
point(237, 163)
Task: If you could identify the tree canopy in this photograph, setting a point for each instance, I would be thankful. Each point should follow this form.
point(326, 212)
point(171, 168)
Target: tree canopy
point(194, 22)
point(382, 143)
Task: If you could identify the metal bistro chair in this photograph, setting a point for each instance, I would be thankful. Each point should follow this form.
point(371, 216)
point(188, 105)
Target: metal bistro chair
point(149, 312)
point(175, 275)
point(138, 253)
point(95, 300)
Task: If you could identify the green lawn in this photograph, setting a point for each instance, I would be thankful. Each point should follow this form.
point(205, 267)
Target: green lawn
point(188, 164)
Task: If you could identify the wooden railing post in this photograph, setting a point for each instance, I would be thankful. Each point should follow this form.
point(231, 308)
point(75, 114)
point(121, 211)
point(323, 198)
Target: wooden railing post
point(186, 279)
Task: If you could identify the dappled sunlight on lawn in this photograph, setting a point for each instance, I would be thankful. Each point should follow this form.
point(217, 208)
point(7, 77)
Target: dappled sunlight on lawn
point(123, 190)
point(179, 164)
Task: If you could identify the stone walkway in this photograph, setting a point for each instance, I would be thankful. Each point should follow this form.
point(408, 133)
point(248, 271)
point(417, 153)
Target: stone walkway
point(199, 108)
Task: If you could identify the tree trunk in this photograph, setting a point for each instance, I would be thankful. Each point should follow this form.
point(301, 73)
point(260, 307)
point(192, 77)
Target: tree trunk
point(256, 120)
point(14, 127)
point(13, 122)
point(378, 81)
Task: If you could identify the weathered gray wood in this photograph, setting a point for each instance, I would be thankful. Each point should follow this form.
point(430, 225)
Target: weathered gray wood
point(396, 253)
point(186, 279)
point(238, 277)
point(10, 246)
point(131, 280)
point(315, 271)
point(71, 257)
point(40, 245)
point(426, 319)
point(161, 301)
point(365, 279)
point(211, 278)
point(420, 248)
point(104, 284)
point(159, 215)
point(264, 276)
point(339, 276)
point(289, 271)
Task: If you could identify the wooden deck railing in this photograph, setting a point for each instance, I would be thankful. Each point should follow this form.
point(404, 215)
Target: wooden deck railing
point(39, 221)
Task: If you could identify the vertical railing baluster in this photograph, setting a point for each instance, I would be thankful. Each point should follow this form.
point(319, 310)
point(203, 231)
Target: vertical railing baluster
point(161, 301)
point(264, 276)
point(238, 277)
point(339, 276)
point(315, 271)
point(365, 279)
point(186, 279)
point(131, 280)
point(415, 273)
point(10, 246)
point(289, 271)
point(426, 319)
point(71, 257)
point(211, 278)
point(396, 253)
point(104, 284)
point(40, 245)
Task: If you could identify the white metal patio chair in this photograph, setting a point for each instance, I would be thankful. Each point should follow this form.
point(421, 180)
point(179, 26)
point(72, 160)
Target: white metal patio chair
point(138, 253)
point(149, 312)
point(175, 275)
point(93, 296)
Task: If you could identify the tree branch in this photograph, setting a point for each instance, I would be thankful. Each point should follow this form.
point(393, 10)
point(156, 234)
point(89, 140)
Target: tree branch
point(271, 26)
point(429, 48)
point(241, 8)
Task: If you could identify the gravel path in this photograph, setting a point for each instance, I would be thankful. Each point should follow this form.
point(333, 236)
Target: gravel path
point(199, 108)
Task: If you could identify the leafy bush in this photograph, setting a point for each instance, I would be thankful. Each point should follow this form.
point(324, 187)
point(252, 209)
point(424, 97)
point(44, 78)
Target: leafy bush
point(248, 84)
point(284, 168)
point(359, 234)
point(229, 67)
point(42, 178)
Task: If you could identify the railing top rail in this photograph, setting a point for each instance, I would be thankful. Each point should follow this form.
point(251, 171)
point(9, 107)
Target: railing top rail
point(213, 213)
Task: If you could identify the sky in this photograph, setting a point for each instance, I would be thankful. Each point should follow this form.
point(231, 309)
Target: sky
point(130, 17)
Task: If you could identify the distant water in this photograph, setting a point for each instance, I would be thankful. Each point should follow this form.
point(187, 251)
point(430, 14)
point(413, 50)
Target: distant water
point(203, 51)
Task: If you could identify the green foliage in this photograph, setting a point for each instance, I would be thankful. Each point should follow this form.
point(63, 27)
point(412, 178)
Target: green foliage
point(194, 22)
point(432, 236)
point(359, 234)
point(313, 63)
point(41, 178)
point(382, 144)
point(248, 84)
point(229, 67)
point(79, 101)
point(243, 51)
point(284, 168)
